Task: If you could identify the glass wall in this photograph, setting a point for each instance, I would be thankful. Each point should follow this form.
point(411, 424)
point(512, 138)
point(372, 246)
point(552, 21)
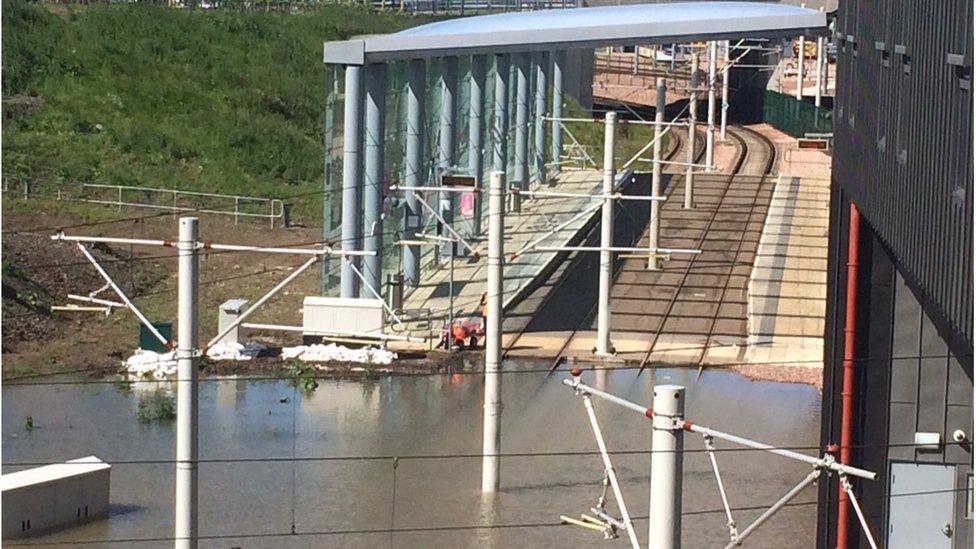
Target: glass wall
point(395, 134)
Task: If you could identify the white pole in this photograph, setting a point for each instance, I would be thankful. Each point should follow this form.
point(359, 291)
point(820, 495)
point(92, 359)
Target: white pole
point(667, 443)
point(655, 226)
point(800, 60)
point(692, 119)
point(725, 90)
point(603, 345)
point(490, 463)
point(710, 134)
point(819, 92)
point(185, 513)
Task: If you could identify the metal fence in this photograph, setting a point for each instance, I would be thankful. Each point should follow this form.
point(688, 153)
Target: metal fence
point(183, 201)
point(154, 198)
point(796, 118)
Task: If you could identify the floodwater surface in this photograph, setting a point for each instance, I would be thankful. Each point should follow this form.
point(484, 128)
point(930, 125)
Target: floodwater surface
point(345, 489)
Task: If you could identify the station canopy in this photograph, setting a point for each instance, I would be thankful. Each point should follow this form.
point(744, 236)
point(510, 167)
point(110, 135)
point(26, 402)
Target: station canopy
point(627, 25)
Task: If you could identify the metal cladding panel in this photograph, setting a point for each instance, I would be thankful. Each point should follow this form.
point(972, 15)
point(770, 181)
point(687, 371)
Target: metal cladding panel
point(582, 28)
point(903, 143)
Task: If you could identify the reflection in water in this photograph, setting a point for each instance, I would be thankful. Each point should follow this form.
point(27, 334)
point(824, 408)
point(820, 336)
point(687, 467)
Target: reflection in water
point(418, 416)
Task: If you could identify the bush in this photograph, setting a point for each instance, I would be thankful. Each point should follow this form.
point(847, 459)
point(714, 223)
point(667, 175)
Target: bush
point(156, 406)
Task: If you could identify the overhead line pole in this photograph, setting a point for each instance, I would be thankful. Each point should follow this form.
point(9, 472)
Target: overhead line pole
point(187, 403)
point(492, 436)
point(655, 224)
point(817, 98)
point(667, 443)
point(603, 345)
point(725, 90)
point(710, 135)
point(692, 120)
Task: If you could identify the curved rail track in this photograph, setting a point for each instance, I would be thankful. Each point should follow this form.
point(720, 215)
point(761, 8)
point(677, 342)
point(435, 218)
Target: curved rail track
point(761, 159)
point(755, 156)
point(676, 148)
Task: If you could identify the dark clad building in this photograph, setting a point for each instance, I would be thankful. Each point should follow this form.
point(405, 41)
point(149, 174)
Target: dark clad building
point(904, 155)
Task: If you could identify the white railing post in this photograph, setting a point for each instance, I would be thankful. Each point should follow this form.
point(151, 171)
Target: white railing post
point(667, 443)
point(185, 513)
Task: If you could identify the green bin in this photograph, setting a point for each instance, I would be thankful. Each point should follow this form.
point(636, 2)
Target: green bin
point(149, 342)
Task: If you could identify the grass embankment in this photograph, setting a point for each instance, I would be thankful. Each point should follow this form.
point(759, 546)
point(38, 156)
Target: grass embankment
point(153, 96)
point(630, 138)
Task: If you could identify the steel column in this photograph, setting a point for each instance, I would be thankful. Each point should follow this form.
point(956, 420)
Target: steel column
point(667, 445)
point(604, 346)
point(476, 113)
point(187, 403)
point(414, 177)
point(692, 120)
point(373, 175)
point(541, 90)
point(522, 122)
point(655, 225)
point(558, 61)
point(351, 177)
point(499, 138)
point(492, 442)
point(447, 143)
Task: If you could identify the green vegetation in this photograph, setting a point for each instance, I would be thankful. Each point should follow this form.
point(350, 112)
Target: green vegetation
point(29, 423)
point(630, 138)
point(147, 95)
point(13, 371)
point(156, 406)
point(301, 377)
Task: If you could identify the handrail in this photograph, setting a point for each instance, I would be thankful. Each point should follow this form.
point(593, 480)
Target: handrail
point(275, 205)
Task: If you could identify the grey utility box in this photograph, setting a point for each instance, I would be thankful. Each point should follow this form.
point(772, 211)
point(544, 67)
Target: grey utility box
point(55, 496)
point(230, 311)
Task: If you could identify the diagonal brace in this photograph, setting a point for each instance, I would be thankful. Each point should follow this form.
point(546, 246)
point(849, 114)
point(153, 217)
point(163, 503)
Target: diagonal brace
point(128, 303)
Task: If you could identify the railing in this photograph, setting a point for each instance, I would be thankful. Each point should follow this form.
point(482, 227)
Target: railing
point(243, 206)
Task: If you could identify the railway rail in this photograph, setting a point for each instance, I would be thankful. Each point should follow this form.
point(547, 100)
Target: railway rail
point(676, 144)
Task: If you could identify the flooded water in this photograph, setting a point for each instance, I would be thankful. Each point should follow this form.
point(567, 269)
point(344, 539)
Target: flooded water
point(256, 496)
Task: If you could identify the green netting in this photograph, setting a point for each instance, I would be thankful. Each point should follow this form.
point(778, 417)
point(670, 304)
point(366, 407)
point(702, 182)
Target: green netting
point(796, 118)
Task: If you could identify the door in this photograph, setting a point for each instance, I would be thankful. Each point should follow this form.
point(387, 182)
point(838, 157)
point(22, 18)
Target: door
point(921, 504)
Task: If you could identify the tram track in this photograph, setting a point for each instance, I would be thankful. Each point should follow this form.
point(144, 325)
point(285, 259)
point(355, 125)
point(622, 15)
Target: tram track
point(742, 160)
point(676, 149)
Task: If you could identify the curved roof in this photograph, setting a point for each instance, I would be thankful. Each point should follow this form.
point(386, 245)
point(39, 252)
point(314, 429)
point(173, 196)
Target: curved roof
point(582, 28)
